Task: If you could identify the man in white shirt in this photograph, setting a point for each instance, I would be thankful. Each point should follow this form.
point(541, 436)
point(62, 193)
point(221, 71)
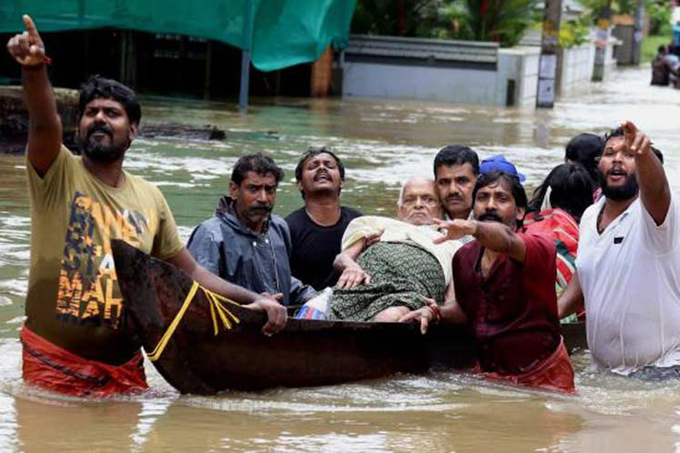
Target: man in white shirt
point(628, 265)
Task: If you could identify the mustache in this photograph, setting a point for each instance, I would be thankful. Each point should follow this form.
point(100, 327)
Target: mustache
point(454, 197)
point(100, 128)
point(264, 209)
point(490, 215)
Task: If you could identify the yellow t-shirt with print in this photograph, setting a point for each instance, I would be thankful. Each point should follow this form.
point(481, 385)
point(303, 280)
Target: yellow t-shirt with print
point(73, 296)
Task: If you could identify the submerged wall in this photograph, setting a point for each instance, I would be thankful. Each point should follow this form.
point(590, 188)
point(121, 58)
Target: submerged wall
point(462, 72)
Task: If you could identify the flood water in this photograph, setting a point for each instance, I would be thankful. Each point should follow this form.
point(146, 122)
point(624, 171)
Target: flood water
point(381, 143)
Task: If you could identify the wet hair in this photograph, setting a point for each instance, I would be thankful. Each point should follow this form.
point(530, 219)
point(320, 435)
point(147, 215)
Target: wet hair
point(257, 163)
point(516, 188)
point(585, 149)
point(100, 87)
point(571, 190)
point(619, 132)
point(456, 155)
point(313, 152)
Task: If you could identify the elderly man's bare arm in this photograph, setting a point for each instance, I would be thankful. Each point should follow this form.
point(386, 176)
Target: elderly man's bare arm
point(45, 131)
point(351, 274)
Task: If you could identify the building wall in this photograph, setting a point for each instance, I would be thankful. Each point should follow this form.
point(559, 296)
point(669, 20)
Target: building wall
point(577, 68)
point(456, 85)
point(518, 64)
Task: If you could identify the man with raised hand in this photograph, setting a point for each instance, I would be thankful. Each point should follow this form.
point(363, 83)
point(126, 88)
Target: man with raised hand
point(73, 340)
point(504, 290)
point(628, 265)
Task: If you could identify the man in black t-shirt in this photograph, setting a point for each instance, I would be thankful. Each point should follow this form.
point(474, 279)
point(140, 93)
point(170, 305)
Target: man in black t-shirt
point(316, 229)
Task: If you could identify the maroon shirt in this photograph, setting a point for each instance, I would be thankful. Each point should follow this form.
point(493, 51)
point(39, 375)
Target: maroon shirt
point(513, 312)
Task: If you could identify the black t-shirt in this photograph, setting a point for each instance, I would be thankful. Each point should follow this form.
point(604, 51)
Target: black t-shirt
point(314, 247)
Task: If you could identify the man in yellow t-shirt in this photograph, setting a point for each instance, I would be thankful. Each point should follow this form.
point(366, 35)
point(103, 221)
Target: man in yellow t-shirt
point(72, 339)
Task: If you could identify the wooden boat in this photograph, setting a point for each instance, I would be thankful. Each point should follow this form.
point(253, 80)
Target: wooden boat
point(198, 360)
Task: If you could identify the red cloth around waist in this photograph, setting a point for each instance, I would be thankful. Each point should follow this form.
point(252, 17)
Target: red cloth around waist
point(48, 366)
point(554, 373)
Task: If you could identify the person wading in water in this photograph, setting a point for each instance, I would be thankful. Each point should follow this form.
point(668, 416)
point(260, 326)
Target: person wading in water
point(73, 340)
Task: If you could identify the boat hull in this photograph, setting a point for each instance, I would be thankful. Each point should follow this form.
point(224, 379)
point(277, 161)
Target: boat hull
point(305, 353)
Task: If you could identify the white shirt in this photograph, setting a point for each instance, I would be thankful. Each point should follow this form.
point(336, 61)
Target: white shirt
point(630, 276)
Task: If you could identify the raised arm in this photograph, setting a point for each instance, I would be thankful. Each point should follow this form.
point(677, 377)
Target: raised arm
point(276, 313)
point(492, 235)
point(44, 131)
point(655, 191)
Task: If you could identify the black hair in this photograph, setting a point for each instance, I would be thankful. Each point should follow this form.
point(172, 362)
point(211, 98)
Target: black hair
point(312, 152)
point(571, 190)
point(585, 149)
point(257, 163)
point(516, 188)
point(101, 87)
point(456, 155)
point(662, 49)
point(619, 132)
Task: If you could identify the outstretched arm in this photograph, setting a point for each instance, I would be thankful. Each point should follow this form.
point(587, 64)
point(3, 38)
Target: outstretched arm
point(44, 133)
point(276, 313)
point(655, 192)
point(492, 235)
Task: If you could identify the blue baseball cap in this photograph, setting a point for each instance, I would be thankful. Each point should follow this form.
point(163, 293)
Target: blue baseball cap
point(500, 163)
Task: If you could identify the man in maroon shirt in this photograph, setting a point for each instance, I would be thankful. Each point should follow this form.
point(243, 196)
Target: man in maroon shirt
point(505, 290)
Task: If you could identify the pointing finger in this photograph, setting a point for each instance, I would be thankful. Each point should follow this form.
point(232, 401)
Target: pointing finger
point(30, 26)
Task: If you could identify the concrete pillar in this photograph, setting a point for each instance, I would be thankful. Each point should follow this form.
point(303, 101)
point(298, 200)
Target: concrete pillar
point(548, 65)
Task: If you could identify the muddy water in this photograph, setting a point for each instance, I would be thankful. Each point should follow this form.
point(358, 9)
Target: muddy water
point(382, 143)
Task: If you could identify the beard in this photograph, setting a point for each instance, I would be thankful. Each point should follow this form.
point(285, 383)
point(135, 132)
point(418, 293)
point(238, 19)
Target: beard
point(100, 152)
point(625, 192)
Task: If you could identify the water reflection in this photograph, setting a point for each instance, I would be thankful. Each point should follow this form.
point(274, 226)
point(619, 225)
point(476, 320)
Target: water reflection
point(382, 144)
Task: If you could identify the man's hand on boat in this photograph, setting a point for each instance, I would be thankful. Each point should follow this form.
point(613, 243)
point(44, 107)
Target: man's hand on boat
point(353, 276)
point(425, 315)
point(277, 314)
point(27, 48)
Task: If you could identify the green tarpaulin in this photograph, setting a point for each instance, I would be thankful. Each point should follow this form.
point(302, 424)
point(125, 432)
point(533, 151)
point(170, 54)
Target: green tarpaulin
point(283, 32)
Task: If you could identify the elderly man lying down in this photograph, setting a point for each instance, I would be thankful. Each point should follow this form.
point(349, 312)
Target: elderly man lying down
point(389, 267)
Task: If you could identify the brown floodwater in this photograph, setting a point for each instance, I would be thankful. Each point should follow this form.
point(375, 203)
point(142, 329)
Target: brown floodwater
point(382, 143)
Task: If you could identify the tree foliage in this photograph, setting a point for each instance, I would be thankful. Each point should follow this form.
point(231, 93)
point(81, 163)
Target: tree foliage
point(504, 21)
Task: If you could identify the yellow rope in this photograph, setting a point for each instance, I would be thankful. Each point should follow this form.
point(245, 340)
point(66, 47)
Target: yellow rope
point(217, 309)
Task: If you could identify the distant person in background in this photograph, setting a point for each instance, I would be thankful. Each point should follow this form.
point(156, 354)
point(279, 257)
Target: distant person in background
point(584, 149)
point(316, 229)
point(661, 68)
point(555, 210)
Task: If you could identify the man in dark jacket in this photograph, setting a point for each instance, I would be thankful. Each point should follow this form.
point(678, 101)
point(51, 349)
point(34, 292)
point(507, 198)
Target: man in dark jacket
point(243, 242)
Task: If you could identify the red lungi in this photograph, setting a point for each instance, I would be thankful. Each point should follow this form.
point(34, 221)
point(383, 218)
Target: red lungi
point(554, 373)
point(48, 366)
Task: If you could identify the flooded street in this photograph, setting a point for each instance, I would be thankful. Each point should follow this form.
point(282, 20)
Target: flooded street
point(382, 144)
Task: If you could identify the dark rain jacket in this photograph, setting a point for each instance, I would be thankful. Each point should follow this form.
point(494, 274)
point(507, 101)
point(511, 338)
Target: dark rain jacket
point(258, 262)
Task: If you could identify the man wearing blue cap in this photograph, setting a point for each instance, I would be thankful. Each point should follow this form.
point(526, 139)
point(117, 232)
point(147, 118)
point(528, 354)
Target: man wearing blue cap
point(500, 163)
